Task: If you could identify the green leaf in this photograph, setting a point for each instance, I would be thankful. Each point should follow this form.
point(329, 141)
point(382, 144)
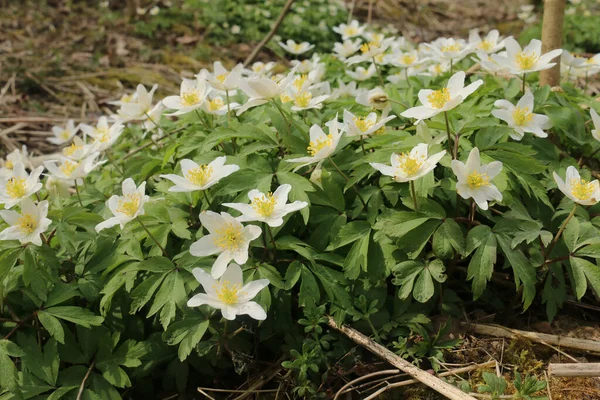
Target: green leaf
point(449, 236)
point(583, 269)
point(571, 234)
point(357, 257)
point(482, 263)
point(52, 325)
point(76, 315)
point(309, 289)
point(350, 233)
point(187, 333)
point(524, 270)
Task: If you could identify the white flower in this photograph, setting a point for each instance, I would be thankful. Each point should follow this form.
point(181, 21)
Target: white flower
point(139, 105)
point(321, 145)
point(69, 170)
point(229, 294)
point(349, 30)
point(438, 101)
point(375, 98)
point(14, 157)
point(405, 59)
point(103, 134)
point(489, 64)
point(222, 79)
point(125, 98)
point(192, 95)
point(259, 69)
point(577, 189)
point(596, 121)
point(410, 166)
point(200, 177)
point(449, 48)
point(474, 179)
point(346, 49)
point(63, 135)
point(308, 65)
point(530, 59)
point(296, 48)
point(227, 237)
point(269, 208)
point(361, 73)
point(490, 44)
point(153, 121)
point(438, 68)
point(218, 106)
point(57, 187)
point(364, 126)
point(344, 90)
point(26, 226)
point(304, 100)
point(570, 61)
point(154, 10)
point(521, 117)
point(19, 185)
point(78, 149)
point(373, 50)
point(127, 207)
point(261, 90)
point(235, 29)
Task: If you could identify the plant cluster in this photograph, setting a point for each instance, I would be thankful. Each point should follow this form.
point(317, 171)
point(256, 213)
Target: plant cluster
point(217, 229)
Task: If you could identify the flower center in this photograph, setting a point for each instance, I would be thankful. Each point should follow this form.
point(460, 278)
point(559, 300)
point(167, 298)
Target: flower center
point(221, 78)
point(68, 167)
point(363, 124)
point(264, 205)
point(439, 98)
point(297, 47)
point(303, 99)
point(258, 67)
point(581, 189)
point(486, 45)
point(16, 187)
point(229, 238)
point(522, 116)
point(27, 223)
point(476, 180)
point(285, 97)
point(64, 135)
point(126, 98)
point(102, 135)
point(227, 292)
point(452, 47)
point(526, 60)
point(350, 31)
point(190, 98)
point(299, 81)
point(410, 165)
point(215, 104)
point(129, 204)
point(200, 176)
point(408, 59)
point(369, 46)
point(318, 144)
point(9, 164)
point(69, 151)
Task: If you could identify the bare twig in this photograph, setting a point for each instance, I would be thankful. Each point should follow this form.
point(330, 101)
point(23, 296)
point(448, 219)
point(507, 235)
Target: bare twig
point(85, 378)
point(570, 369)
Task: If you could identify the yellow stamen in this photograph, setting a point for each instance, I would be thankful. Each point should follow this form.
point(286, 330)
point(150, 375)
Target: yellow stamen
point(227, 292)
point(229, 238)
point(369, 46)
point(102, 135)
point(64, 135)
point(522, 116)
point(9, 164)
point(362, 123)
point(452, 47)
point(126, 98)
point(350, 31)
point(486, 45)
point(476, 180)
point(27, 224)
point(190, 98)
point(68, 167)
point(285, 97)
point(582, 189)
point(221, 78)
point(408, 59)
point(215, 104)
point(264, 205)
point(297, 47)
point(199, 176)
point(317, 145)
point(439, 98)
point(16, 187)
point(526, 60)
point(300, 81)
point(303, 99)
point(69, 151)
point(410, 165)
point(129, 205)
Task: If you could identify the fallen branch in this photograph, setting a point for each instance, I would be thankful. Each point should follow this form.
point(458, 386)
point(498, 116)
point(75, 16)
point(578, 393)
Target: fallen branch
point(266, 39)
point(569, 369)
point(435, 383)
point(556, 340)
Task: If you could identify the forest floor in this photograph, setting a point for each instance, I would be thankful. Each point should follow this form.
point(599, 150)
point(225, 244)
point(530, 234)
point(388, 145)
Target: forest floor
point(58, 63)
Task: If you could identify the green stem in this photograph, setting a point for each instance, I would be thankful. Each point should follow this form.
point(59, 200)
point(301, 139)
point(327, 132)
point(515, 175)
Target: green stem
point(523, 88)
point(272, 237)
point(164, 252)
point(368, 319)
point(206, 198)
point(110, 159)
point(362, 145)
point(77, 191)
point(202, 120)
point(160, 127)
point(451, 66)
point(347, 180)
point(414, 195)
point(406, 76)
point(449, 136)
point(378, 73)
point(560, 231)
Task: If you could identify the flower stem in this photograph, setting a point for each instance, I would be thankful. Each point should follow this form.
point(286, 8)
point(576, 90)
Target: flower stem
point(413, 193)
point(362, 145)
point(378, 73)
point(472, 213)
point(451, 66)
point(77, 191)
point(347, 180)
point(206, 198)
point(157, 124)
point(406, 76)
point(272, 237)
point(164, 252)
point(523, 88)
point(560, 231)
point(112, 161)
point(233, 145)
point(373, 328)
point(449, 136)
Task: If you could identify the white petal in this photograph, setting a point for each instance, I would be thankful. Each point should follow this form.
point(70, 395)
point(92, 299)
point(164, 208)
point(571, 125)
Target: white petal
point(253, 309)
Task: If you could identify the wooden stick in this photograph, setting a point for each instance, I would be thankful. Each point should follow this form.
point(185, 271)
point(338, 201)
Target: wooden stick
point(552, 35)
point(266, 39)
point(563, 341)
point(569, 369)
point(435, 383)
point(447, 373)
